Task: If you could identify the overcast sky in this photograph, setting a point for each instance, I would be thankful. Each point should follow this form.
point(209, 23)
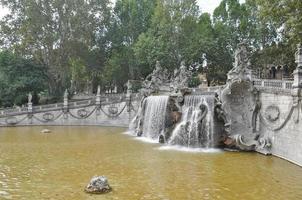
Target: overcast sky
point(205, 5)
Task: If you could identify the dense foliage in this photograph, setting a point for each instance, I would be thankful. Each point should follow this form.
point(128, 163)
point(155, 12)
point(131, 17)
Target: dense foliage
point(96, 42)
point(18, 78)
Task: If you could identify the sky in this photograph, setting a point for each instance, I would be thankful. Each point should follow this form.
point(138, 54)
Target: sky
point(205, 5)
point(208, 5)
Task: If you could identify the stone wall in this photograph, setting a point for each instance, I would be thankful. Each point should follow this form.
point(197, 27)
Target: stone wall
point(280, 120)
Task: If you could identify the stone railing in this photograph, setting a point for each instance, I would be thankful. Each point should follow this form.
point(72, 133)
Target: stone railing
point(72, 104)
point(275, 84)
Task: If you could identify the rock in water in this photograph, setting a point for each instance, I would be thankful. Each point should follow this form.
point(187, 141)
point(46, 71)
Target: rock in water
point(98, 185)
point(45, 131)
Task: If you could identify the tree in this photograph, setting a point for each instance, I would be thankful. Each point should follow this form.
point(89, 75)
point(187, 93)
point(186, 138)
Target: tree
point(130, 19)
point(18, 78)
point(52, 32)
point(170, 38)
point(285, 16)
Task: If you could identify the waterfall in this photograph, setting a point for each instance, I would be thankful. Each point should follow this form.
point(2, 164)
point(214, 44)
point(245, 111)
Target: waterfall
point(194, 129)
point(154, 114)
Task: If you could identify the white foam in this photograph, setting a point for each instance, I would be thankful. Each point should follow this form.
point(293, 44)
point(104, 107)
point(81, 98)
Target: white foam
point(143, 139)
point(186, 149)
point(146, 140)
point(128, 133)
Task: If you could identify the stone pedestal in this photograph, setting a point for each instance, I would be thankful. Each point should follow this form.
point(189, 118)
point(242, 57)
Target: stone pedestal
point(30, 107)
point(297, 78)
point(65, 103)
point(98, 97)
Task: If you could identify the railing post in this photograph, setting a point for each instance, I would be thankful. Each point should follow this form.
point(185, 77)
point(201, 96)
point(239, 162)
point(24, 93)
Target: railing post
point(65, 103)
point(284, 84)
point(30, 104)
point(98, 101)
point(30, 108)
point(98, 97)
point(128, 95)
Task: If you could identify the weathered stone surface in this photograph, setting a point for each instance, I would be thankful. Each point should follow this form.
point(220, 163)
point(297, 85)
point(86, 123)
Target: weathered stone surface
point(272, 113)
point(284, 133)
point(162, 81)
point(240, 108)
point(181, 78)
point(98, 185)
point(155, 80)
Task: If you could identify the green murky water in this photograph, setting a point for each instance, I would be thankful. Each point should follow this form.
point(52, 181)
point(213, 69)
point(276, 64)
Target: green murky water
point(58, 165)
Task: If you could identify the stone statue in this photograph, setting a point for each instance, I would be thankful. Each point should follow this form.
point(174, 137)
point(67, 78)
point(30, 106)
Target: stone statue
point(66, 94)
point(129, 86)
point(181, 78)
point(30, 98)
point(241, 58)
point(98, 92)
point(205, 61)
point(154, 80)
point(298, 56)
point(201, 123)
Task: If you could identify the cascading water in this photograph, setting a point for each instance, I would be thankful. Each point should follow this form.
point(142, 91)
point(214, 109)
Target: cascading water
point(154, 115)
point(194, 129)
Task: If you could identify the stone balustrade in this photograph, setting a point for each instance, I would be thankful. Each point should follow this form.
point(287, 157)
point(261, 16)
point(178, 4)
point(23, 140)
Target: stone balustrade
point(273, 84)
point(280, 85)
point(104, 98)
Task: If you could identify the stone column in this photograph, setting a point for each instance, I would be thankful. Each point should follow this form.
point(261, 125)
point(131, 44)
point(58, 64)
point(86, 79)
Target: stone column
point(298, 71)
point(30, 109)
point(98, 101)
point(98, 97)
point(65, 103)
point(128, 95)
point(30, 104)
point(297, 85)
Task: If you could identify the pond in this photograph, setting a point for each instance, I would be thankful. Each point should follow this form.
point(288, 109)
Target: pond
point(58, 165)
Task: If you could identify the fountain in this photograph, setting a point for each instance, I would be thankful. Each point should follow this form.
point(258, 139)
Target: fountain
point(154, 118)
point(182, 118)
point(195, 129)
point(197, 119)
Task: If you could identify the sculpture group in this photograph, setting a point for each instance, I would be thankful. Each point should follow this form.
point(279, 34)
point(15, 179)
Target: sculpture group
point(161, 80)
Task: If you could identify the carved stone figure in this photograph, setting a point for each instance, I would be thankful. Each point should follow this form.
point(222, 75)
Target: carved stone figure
point(66, 94)
point(298, 56)
point(240, 107)
point(221, 114)
point(129, 86)
point(202, 138)
point(30, 97)
point(181, 78)
point(98, 90)
point(154, 80)
point(241, 58)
